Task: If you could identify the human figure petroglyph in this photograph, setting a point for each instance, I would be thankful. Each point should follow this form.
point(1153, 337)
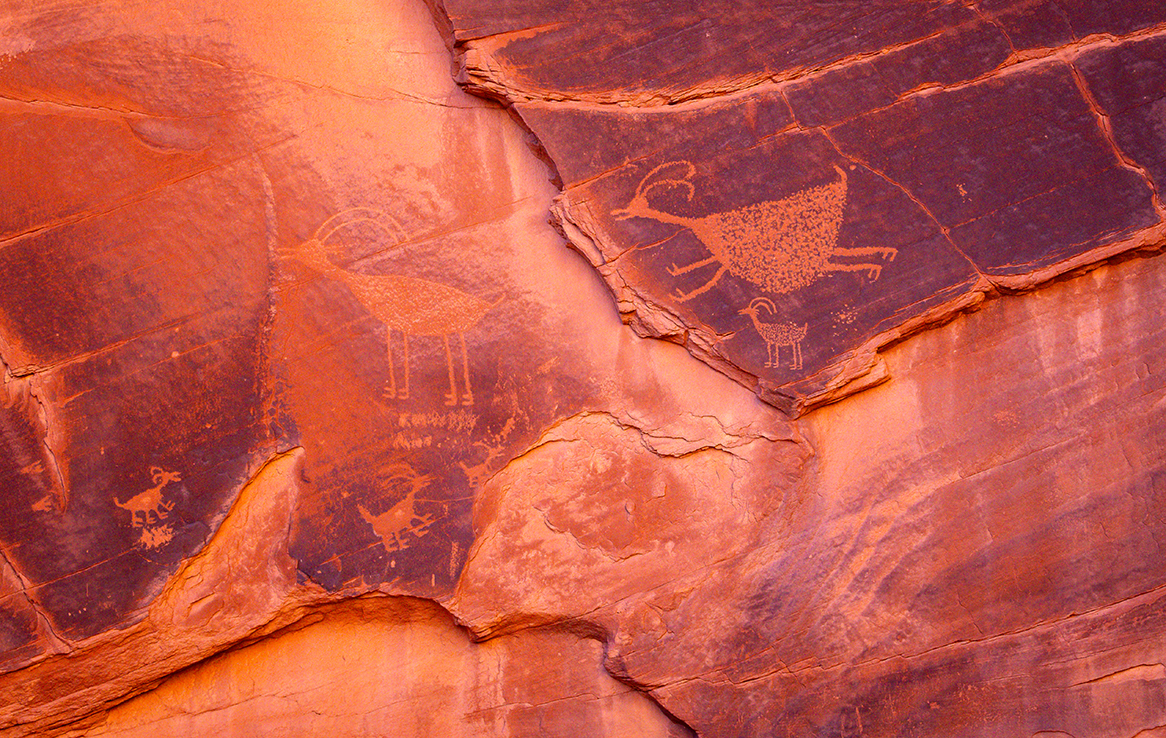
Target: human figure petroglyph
point(408, 305)
point(776, 335)
point(148, 504)
point(402, 519)
point(780, 245)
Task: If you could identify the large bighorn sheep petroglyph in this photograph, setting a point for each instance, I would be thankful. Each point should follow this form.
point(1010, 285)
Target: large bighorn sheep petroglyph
point(780, 245)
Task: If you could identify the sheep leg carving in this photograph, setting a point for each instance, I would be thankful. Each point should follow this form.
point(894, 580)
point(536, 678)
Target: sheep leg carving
point(677, 271)
point(872, 270)
point(404, 394)
point(451, 396)
point(469, 398)
point(392, 374)
point(884, 251)
point(420, 525)
point(681, 297)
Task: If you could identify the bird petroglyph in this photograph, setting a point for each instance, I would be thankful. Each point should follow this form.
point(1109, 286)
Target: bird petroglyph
point(407, 305)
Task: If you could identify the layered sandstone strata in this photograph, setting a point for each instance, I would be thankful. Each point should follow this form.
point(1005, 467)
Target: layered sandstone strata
point(334, 400)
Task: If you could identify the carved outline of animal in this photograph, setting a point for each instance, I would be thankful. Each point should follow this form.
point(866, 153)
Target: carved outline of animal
point(149, 503)
point(780, 245)
point(776, 335)
point(402, 518)
point(477, 474)
point(411, 306)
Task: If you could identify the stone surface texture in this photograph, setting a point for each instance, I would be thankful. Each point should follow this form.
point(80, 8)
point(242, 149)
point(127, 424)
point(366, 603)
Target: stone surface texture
point(551, 368)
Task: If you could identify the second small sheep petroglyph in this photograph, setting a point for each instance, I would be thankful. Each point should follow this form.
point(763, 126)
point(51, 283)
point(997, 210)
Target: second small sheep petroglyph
point(402, 519)
point(776, 335)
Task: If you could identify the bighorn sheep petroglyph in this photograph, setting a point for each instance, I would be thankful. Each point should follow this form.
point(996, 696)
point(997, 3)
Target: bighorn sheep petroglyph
point(780, 245)
point(149, 504)
point(401, 519)
point(776, 335)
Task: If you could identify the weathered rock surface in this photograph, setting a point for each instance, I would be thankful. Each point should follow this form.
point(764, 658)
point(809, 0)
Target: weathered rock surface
point(395, 667)
point(948, 561)
point(785, 190)
point(312, 423)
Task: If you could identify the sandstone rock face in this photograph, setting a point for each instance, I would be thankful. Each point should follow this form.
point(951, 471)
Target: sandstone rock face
point(333, 401)
point(415, 673)
point(785, 197)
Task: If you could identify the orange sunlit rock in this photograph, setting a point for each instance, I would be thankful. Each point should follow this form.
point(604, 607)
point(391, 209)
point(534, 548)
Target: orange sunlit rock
point(584, 370)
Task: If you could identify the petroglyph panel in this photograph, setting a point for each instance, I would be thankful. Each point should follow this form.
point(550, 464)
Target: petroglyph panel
point(284, 329)
point(411, 354)
point(200, 278)
point(855, 231)
point(121, 349)
point(786, 244)
point(398, 383)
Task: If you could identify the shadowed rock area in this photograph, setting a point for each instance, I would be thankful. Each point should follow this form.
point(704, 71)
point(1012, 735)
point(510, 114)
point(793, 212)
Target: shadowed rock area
point(551, 369)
